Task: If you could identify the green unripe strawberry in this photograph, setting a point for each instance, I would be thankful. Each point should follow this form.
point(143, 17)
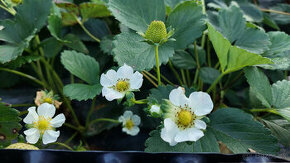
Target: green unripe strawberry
point(156, 32)
point(22, 146)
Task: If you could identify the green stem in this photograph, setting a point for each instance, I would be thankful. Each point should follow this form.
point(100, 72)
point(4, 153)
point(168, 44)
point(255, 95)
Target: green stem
point(157, 64)
point(188, 77)
point(164, 78)
point(61, 144)
point(60, 85)
point(23, 113)
point(71, 138)
point(103, 119)
point(196, 76)
point(175, 72)
point(72, 127)
point(215, 83)
point(149, 79)
point(183, 76)
point(90, 112)
point(23, 75)
point(86, 30)
point(265, 110)
point(208, 52)
point(21, 105)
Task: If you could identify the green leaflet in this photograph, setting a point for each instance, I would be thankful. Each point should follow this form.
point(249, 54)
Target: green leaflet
point(279, 51)
point(82, 66)
point(279, 131)
point(93, 10)
point(130, 49)
point(183, 60)
point(18, 32)
point(260, 85)
point(231, 24)
point(82, 91)
point(233, 58)
point(208, 74)
point(281, 94)
point(137, 14)
point(239, 131)
point(9, 124)
point(187, 28)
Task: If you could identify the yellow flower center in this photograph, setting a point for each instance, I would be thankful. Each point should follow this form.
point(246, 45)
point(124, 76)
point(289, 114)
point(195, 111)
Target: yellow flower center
point(48, 100)
point(185, 117)
point(129, 124)
point(122, 85)
point(43, 124)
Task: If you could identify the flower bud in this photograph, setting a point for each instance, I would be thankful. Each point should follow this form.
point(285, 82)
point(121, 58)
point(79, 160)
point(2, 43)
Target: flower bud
point(156, 32)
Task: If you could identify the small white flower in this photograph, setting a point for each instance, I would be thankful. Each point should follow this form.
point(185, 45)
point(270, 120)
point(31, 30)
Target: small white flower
point(155, 109)
point(183, 117)
point(130, 123)
point(1, 27)
point(42, 125)
point(117, 84)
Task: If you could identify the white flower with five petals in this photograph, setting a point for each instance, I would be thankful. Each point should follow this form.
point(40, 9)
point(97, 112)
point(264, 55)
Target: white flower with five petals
point(183, 116)
point(42, 125)
point(117, 84)
point(130, 123)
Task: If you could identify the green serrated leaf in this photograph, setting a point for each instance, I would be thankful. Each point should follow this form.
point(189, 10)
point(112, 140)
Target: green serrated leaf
point(284, 112)
point(231, 24)
point(130, 49)
point(260, 85)
point(137, 14)
point(281, 94)
point(82, 66)
point(82, 92)
point(233, 58)
point(54, 26)
point(186, 28)
point(18, 32)
point(209, 75)
point(75, 43)
point(279, 51)
point(281, 133)
point(239, 131)
point(184, 60)
point(51, 47)
point(9, 124)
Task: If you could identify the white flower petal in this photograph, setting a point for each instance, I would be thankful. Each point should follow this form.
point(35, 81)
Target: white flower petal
point(46, 110)
point(177, 97)
point(127, 114)
point(125, 72)
point(58, 120)
point(110, 94)
point(50, 136)
point(31, 116)
point(134, 131)
point(136, 120)
point(122, 119)
point(201, 103)
point(190, 134)
point(155, 108)
point(109, 79)
point(136, 80)
point(169, 131)
point(200, 124)
point(32, 135)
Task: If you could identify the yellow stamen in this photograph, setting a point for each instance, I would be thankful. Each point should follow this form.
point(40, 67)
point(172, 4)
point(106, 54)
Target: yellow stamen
point(43, 124)
point(122, 85)
point(48, 100)
point(129, 124)
point(185, 117)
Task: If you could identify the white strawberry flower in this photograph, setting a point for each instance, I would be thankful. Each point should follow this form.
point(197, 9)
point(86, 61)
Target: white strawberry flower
point(117, 84)
point(42, 125)
point(183, 116)
point(130, 123)
point(1, 27)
